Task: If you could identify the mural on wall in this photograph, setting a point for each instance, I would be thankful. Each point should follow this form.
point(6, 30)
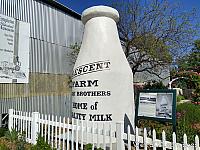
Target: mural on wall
point(14, 50)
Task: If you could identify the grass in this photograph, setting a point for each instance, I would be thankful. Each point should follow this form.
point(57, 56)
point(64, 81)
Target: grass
point(190, 112)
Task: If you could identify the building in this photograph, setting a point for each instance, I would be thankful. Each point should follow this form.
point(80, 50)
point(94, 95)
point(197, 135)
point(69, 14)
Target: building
point(53, 28)
point(145, 77)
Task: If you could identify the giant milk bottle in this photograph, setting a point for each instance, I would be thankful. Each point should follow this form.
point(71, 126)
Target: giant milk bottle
point(102, 79)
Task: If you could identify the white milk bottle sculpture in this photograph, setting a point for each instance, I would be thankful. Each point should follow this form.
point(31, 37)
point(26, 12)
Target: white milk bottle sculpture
point(102, 79)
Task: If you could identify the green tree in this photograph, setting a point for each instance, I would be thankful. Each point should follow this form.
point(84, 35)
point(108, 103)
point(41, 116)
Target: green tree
point(191, 61)
point(189, 66)
point(152, 31)
point(74, 53)
point(197, 45)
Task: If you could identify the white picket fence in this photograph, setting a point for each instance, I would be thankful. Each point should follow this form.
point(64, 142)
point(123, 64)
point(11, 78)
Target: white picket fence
point(70, 134)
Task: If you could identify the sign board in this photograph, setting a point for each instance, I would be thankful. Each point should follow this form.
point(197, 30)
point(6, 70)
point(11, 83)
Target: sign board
point(157, 105)
point(14, 50)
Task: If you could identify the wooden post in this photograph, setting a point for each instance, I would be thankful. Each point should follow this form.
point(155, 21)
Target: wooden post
point(10, 121)
point(185, 146)
point(154, 139)
point(174, 141)
point(145, 139)
point(119, 136)
point(164, 140)
point(196, 142)
point(0, 120)
point(104, 136)
point(129, 138)
point(35, 127)
point(137, 138)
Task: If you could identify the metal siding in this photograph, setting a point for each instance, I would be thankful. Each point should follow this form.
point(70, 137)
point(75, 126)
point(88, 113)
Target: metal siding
point(51, 33)
point(46, 105)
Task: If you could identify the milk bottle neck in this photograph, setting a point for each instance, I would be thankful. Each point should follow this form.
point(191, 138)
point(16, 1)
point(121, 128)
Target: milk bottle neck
point(100, 32)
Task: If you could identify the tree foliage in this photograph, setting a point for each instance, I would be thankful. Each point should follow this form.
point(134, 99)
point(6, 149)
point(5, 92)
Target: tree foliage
point(189, 66)
point(197, 45)
point(74, 53)
point(154, 85)
point(152, 31)
point(191, 61)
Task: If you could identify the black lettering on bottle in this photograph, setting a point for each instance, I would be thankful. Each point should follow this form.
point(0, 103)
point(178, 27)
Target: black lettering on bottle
point(107, 64)
point(94, 83)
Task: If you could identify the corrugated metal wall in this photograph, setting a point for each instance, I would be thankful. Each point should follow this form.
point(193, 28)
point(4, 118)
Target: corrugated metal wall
point(52, 32)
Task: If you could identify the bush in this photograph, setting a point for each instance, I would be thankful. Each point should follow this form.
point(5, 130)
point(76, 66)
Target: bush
point(179, 98)
point(188, 122)
point(3, 147)
point(41, 145)
point(196, 95)
point(158, 126)
point(21, 142)
point(88, 146)
point(3, 131)
point(155, 85)
point(190, 112)
point(192, 80)
point(12, 135)
point(16, 138)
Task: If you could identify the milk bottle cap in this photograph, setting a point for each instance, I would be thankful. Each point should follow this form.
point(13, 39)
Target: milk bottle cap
point(99, 11)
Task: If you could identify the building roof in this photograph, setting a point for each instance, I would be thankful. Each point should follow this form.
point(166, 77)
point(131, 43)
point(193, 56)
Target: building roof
point(63, 8)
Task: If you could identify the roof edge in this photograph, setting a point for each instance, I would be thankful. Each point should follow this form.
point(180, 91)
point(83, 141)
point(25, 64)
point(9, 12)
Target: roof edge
point(62, 8)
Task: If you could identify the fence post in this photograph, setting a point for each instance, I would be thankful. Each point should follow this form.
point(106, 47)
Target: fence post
point(137, 143)
point(35, 127)
point(0, 120)
point(145, 139)
point(196, 142)
point(154, 139)
point(163, 140)
point(119, 136)
point(174, 141)
point(185, 146)
point(10, 119)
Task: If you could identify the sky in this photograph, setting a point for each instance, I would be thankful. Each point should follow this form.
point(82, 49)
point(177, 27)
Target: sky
point(80, 5)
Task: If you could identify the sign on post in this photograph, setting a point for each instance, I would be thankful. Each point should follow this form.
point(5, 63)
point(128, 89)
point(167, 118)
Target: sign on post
point(159, 105)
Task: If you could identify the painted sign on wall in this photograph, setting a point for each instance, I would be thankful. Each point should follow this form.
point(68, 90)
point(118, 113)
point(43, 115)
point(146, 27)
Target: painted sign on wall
point(14, 50)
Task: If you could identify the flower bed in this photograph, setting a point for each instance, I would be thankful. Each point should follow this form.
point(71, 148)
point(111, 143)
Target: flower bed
point(13, 140)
